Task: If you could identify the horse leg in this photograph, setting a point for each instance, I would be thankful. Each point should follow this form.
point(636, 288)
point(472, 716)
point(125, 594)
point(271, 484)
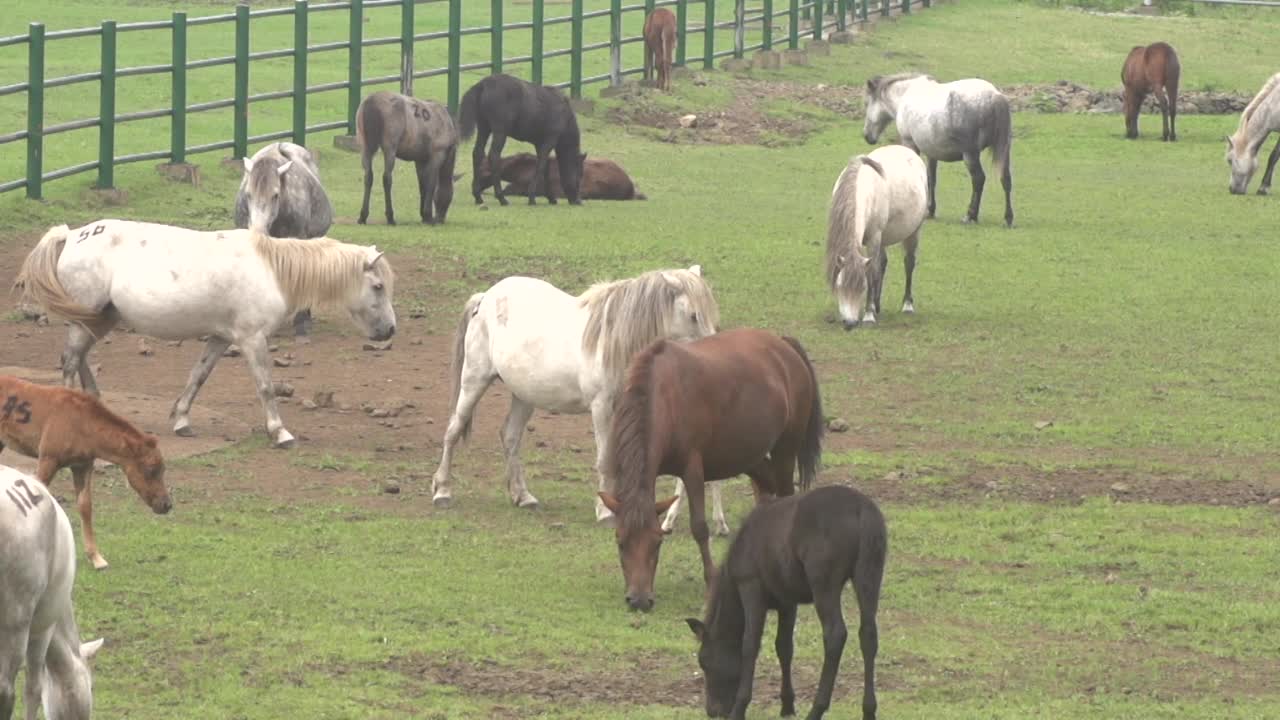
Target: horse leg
point(255, 351)
point(933, 183)
point(784, 646)
point(13, 643)
point(512, 433)
point(883, 263)
point(477, 157)
point(754, 611)
point(495, 166)
point(82, 476)
point(541, 174)
point(826, 600)
point(1163, 100)
point(181, 412)
point(1265, 187)
point(37, 653)
point(601, 423)
point(673, 512)
point(427, 187)
point(717, 510)
point(388, 165)
point(475, 378)
point(696, 487)
point(366, 161)
point(75, 359)
point(909, 246)
point(302, 325)
point(973, 161)
point(868, 574)
point(649, 56)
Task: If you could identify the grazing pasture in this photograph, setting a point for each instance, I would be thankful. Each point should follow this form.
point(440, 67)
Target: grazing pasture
point(1073, 441)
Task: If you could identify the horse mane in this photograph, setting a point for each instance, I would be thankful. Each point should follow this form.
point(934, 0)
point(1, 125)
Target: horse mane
point(882, 82)
point(263, 177)
point(318, 271)
point(1249, 109)
point(624, 316)
point(844, 207)
point(629, 441)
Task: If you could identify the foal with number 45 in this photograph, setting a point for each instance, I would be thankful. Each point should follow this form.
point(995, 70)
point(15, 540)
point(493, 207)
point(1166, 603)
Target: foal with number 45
point(68, 428)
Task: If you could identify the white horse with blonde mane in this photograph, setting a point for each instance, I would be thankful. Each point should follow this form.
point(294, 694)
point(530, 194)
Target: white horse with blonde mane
point(1260, 118)
point(563, 353)
point(879, 200)
point(37, 620)
point(234, 286)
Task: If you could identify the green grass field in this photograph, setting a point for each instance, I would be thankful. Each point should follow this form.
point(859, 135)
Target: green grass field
point(1132, 307)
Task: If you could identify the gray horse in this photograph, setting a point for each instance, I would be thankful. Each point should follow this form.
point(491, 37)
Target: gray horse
point(281, 196)
point(408, 128)
point(948, 122)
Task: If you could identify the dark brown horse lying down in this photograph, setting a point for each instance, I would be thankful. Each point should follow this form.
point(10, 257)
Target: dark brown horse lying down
point(602, 179)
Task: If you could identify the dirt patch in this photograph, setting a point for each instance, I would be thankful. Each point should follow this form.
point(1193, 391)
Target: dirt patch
point(1066, 96)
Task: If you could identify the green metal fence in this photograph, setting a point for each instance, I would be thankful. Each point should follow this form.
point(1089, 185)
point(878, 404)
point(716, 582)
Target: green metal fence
point(798, 16)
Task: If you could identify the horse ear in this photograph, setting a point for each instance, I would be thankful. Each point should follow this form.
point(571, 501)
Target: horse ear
point(248, 164)
point(665, 505)
point(610, 502)
point(89, 649)
point(373, 254)
point(699, 630)
point(582, 157)
point(1230, 145)
point(284, 168)
point(696, 270)
point(871, 83)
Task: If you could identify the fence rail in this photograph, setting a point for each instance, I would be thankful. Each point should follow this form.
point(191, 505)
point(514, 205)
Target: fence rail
point(802, 18)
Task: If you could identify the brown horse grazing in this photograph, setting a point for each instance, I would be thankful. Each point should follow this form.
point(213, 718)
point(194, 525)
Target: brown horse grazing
point(1154, 68)
point(69, 428)
point(659, 45)
point(602, 179)
point(795, 551)
point(408, 128)
point(740, 401)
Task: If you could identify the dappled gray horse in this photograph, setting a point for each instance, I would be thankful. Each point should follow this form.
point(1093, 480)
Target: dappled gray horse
point(281, 196)
point(408, 128)
point(1260, 118)
point(948, 122)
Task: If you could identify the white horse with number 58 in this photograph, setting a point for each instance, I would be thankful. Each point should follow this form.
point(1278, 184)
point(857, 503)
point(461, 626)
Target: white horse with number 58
point(564, 353)
point(234, 286)
point(37, 620)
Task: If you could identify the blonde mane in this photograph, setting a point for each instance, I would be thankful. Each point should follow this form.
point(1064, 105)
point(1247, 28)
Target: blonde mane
point(843, 236)
point(625, 316)
point(319, 271)
point(1249, 109)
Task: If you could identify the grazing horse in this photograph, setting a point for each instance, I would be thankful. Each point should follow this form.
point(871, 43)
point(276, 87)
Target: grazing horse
point(948, 122)
point(559, 352)
point(68, 428)
point(505, 106)
point(602, 179)
point(280, 195)
point(37, 619)
point(878, 200)
point(408, 128)
point(794, 551)
point(1151, 69)
point(1260, 118)
point(738, 402)
point(234, 286)
point(659, 45)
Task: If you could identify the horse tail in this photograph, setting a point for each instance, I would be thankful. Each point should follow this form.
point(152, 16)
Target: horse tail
point(39, 283)
point(1001, 137)
point(640, 196)
point(460, 357)
point(811, 447)
point(467, 114)
point(1172, 73)
point(370, 127)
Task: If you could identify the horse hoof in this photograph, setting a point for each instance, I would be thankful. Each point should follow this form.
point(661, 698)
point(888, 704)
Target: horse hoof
point(908, 308)
point(666, 529)
point(1264, 191)
point(99, 563)
point(504, 202)
point(971, 221)
point(722, 531)
point(608, 521)
point(184, 431)
point(391, 221)
point(362, 220)
point(284, 441)
point(442, 502)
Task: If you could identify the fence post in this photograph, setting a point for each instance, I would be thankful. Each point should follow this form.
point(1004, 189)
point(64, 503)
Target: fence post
point(35, 109)
point(709, 36)
point(455, 54)
point(406, 47)
point(906, 7)
point(767, 28)
point(178, 122)
point(300, 72)
point(884, 8)
point(817, 19)
point(926, 3)
point(355, 57)
point(615, 42)
point(536, 64)
point(107, 107)
point(682, 30)
point(842, 15)
point(739, 28)
point(495, 37)
point(240, 136)
point(575, 52)
point(865, 11)
point(793, 25)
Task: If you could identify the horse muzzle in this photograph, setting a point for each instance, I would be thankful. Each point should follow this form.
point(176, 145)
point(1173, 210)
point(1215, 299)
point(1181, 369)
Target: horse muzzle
point(384, 335)
point(162, 505)
point(640, 601)
point(1236, 191)
point(850, 324)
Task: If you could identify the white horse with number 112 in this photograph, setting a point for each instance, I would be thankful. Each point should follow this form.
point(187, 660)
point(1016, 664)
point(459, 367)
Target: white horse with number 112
point(37, 620)
point(234, 286)
point(564, 353)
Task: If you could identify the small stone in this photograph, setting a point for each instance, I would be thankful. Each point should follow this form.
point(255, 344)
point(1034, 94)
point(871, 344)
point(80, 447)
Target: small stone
point(379, 413)
point(838, 425)
point(540, 443)
point(556, 526)
point(1120, 487)
point(144, 349)
point(689, 121)
point(894, 476)
point(174, 344)
point(992, 485)
point(377, 347)
point(273, 348)
point(323, 398)
point(391, 488)
point(282, 389)
point(232, 351)
point(1042, 424)
point(281, 362)
point(309, 405)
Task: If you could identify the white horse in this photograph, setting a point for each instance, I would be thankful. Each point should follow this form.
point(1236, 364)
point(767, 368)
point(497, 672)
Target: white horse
point(568, 354)
point(878, 200)
point(1260, 118)
point(948, 122)
point(234, 286)
point(37, 620)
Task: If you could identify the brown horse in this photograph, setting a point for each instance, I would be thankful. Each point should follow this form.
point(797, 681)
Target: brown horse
point(740, 401)
point(408, 128)
point(602, 179)
point(659, 44)
point(69, 428)
point(1151, 69)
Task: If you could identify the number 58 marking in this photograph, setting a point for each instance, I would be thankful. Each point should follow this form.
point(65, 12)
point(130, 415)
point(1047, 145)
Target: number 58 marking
point(97, 230)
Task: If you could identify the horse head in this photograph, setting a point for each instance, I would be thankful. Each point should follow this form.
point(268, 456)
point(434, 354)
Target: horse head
point(850, 287)
point(67, 690)
point(146, 475)
point(639, 544)
point(878, 112)
point(694, 313)
point(263, 185)
point(721, 663)
point(371, 307)
point(1243, 165)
